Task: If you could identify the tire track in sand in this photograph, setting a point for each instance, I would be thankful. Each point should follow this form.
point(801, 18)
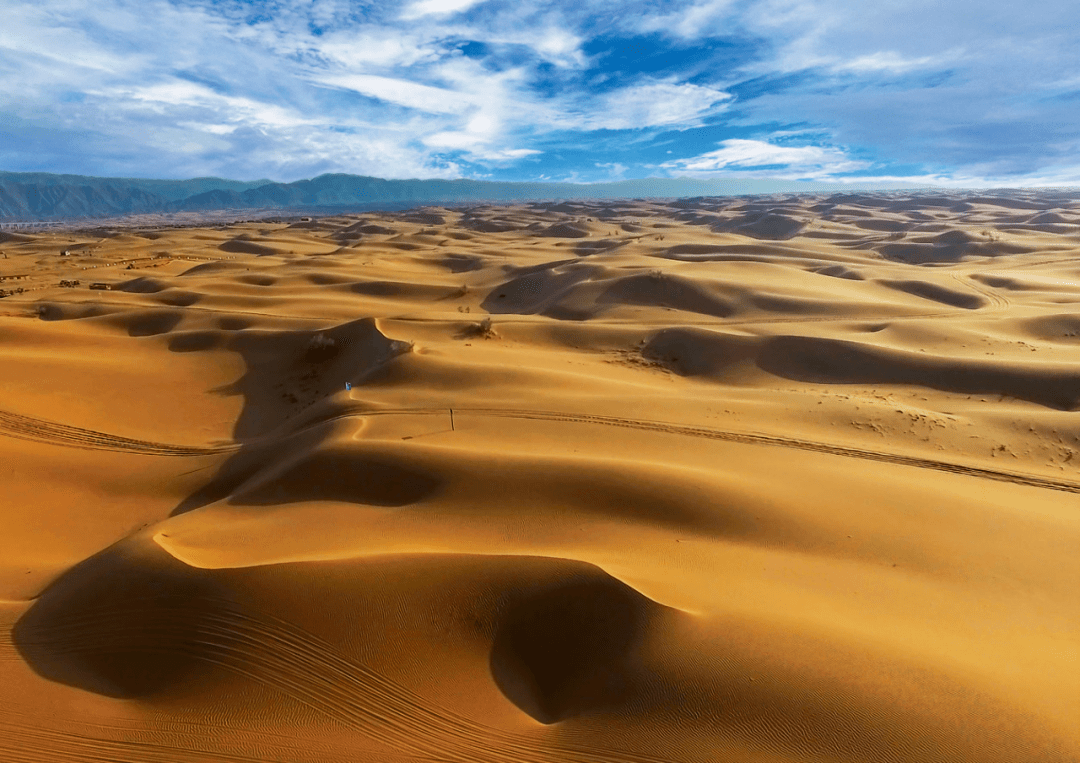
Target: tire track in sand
point(41, 430)
point(747, 438)
point(24, 743)
point(285, 658)
point(158, 724)
point(998, 302)
point(54, 433)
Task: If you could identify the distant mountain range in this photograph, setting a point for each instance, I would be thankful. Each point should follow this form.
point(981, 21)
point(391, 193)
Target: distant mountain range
point(42, 196)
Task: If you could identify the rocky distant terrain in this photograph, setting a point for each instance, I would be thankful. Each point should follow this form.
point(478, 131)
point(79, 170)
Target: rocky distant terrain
point(41, 196)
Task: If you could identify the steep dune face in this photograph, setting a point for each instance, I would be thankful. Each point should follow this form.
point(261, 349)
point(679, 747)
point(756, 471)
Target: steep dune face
point(762, 479)
point(831, 361)
point(699, 352)
point(570, 645)
point(124, 624)
point(937, 293)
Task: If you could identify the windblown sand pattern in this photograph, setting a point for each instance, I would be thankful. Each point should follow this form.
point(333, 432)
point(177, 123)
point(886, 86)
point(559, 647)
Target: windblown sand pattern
point(760, 480)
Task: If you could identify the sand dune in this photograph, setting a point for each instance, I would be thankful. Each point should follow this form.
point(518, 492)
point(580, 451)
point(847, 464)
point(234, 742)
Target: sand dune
point(757, 479)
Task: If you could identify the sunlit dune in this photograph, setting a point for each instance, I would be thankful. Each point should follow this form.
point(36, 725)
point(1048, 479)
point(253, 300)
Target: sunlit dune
point(761, 479)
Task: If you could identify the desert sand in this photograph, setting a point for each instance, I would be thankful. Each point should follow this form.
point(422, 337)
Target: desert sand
point(752, 479)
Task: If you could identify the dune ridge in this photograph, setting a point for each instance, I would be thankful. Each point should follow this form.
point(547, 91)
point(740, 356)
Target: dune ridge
point(778, 479)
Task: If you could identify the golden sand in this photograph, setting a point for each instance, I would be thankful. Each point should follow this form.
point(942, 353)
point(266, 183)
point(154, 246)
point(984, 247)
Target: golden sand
point(757, 480)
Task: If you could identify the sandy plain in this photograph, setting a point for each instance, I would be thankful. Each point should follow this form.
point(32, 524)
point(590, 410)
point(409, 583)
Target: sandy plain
point(759, 479)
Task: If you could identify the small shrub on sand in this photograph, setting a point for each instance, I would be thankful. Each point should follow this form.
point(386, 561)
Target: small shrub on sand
point(321, 348)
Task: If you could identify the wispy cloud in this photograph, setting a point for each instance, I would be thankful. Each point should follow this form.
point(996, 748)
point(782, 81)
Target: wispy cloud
point(696, 20)
point(889, 61)
point(437, 7)
point(413, 95)
point(764, 159)
point(653, 104)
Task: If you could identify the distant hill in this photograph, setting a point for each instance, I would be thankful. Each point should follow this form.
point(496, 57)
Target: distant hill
point(43, 196)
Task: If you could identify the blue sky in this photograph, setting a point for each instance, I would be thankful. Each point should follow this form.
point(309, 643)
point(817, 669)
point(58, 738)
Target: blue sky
point(950, 92)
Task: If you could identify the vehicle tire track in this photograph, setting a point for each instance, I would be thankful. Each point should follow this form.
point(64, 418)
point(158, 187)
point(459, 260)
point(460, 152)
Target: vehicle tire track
point(34, 429)
point(157, 724)
point(24, 743)
point(998, 303)
point(747, 438)
point(288, 659)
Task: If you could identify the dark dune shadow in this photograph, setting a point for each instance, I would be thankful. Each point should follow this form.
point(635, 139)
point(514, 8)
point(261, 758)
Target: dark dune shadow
point(245, 465)
point(152, 323)
point(257, 279)
point(1063, 327)
point(371, 229)
point(564, 230)
point(143, 285)
point(585, 248)
point(816, 360)
point(288, 371)
point(208, 268)
point(178, 298)
point(884, 225)
point(833, 361)
point(234, 323)
point(379, 288)
point(568, 648)
point(289, 374)
point(699, 352)
point(545, 266)
point(664, 290)
point(328, 279)
point(194, 341)
point(490, 225)
point(403, 290)
point(121, 624)
point(424, 218)
point(536, 292)
point(340, 475)
point(462, 263)
point(51, 311)
point(947, 246)
point(936, 293)
point(840, 271)
point(770, 226)
point(240, 246)
point(723, 252)
point(136, 323)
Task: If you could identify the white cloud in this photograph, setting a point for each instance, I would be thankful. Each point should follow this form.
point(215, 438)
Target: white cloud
point(172, 96)
point(700, 19)
point(746, 155)
point(558, 46)
point(402, 92)
point(213, 129)
point(547, 37)
point(888, 61)
point(1058, 177)
point(654, 104)
point(615, 170)
point(437, 7)
point(68, 46)
point(354, 51)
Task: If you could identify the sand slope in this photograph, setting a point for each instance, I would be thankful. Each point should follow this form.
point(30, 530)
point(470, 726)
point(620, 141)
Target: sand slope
point(763, 479)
